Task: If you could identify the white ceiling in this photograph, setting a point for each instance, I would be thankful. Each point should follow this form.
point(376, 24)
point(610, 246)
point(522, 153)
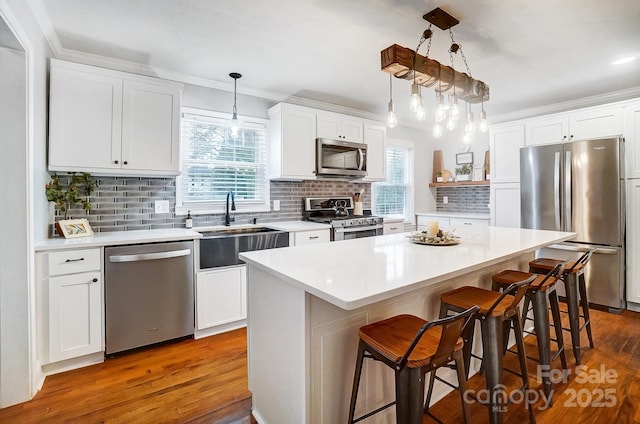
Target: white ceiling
point(532, 53)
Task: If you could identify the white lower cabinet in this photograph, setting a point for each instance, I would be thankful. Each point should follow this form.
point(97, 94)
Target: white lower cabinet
point(468, 222)
point(309, 237)
point(75, 315)
point(221, 296)
point(393, 227)
point(69, 307)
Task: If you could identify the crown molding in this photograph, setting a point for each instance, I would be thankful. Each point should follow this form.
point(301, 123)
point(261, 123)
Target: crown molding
point(39, 11)
point(584, 102)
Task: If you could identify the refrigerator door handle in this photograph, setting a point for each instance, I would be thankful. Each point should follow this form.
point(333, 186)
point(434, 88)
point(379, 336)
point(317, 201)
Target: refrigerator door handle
point(567, 191)
point(556, 190)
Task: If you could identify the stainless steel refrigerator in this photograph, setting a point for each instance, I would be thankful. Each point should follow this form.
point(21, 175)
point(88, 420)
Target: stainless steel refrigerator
point(579, 187)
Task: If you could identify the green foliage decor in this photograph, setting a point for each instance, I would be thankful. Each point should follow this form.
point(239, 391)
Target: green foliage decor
point(464, 170)
point(66, 198)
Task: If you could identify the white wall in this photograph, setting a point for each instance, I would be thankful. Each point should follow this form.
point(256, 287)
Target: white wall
point(22, 166)
point(451, 143)
point(222, 101)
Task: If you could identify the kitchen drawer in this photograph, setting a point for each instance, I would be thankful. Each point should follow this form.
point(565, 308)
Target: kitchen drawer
point(393, 227)
point(315, 236)
point(459, 222)
point(73, 261)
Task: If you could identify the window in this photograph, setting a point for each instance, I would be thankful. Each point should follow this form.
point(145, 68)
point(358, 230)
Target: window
point(393, 198)
point(213, 163)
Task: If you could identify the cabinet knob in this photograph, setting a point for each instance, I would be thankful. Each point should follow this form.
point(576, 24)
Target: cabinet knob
point(95, 280)
point(313, 237)
point(115, 161)
point(125, 162)
point(564, 137)
point(571, 136)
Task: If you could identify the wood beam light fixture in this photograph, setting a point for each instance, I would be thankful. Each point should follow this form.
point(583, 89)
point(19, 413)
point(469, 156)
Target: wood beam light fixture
point(404, 63)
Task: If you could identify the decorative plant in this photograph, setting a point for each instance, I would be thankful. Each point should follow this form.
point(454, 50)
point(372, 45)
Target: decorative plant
point(66, 198)
point(439, 174)
point(464, 170)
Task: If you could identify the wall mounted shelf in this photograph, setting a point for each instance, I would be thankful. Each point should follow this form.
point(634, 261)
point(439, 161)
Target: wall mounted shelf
point(461, 184)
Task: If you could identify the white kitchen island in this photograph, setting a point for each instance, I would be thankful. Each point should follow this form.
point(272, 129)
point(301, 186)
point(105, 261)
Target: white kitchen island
point(306, 304)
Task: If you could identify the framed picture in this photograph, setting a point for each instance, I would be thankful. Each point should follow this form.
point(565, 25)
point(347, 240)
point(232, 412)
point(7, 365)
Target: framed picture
point(464, 158)
point(73, 228)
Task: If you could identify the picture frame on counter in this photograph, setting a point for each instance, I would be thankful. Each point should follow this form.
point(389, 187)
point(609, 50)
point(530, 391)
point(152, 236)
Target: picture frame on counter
point(464, 158)
point(74, 228)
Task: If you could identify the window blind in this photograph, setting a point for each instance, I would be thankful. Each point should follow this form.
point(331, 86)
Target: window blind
point(214, 163)
point(392, 197)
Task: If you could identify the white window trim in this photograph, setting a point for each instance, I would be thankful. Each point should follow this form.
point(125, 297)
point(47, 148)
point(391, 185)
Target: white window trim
point(410, 146)
point(220, 207)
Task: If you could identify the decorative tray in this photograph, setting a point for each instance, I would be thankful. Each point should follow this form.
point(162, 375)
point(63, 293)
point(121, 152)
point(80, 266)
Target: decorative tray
point(442, 238)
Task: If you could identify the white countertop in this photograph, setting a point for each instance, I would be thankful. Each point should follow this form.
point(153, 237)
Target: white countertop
point(118, 238)
point(355, 273)
point(463, 215)
point(152, 236)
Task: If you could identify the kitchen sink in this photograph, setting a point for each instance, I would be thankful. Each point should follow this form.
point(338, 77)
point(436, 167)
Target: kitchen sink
point(236, 231)
point(221, 247)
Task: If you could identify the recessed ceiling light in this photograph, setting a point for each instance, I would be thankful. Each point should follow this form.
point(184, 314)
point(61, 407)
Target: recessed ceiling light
point(624, 60)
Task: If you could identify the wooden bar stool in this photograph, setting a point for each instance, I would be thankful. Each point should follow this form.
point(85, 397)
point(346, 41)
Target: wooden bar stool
point(576, 296)
point(412, 347)
point(542, 294)
point(498, 313)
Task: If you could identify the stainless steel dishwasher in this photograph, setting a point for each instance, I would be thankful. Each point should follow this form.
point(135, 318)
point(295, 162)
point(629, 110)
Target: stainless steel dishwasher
point(149, 294)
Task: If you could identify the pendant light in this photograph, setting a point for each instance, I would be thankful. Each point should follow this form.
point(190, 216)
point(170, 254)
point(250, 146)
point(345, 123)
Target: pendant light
point(392, 119)
point(235, 125)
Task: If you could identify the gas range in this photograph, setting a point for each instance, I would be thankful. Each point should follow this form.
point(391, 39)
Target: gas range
point(336, 211)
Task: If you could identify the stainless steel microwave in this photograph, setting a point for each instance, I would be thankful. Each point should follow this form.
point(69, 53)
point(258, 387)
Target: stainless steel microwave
point(337, 158)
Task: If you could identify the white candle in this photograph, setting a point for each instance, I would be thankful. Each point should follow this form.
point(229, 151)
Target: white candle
point(432, 228)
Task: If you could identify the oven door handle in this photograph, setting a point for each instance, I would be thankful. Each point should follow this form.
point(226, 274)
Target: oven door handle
point(356, 229)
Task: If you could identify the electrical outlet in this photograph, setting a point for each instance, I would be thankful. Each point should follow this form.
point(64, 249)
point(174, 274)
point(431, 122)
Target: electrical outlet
point(162, 206)
point(445, 199)
point(276, 205)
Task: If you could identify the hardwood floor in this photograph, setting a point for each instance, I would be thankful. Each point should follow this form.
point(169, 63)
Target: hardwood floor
point(192, 381)
point(205, 381)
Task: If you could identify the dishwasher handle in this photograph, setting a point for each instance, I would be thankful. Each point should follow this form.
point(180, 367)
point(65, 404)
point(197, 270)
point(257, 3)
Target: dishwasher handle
point(150, 256)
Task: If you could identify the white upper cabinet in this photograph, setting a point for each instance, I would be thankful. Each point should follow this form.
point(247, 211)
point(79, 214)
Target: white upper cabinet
point(632, 139)
point(595, 123)
point(504, 144)
point(293, 131)
point(112, 123)
point(583, 124)
point(340, 127)
point(292, 135)
point(374, 137)
point(547, 130)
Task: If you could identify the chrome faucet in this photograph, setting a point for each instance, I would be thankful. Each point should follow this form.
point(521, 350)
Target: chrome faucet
point(228, 219)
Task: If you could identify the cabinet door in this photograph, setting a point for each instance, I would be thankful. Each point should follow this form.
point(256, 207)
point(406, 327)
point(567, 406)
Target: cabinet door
point(505, 205)
point(595, 123)
point(339, 127)
point(75, 315)
point(221, 296)
point(85, 120)
point(297, 138)
point(352, 129)
point(505, 144)
point(151, 128)
point(310, 237)
point(547, 130)
point(633, 241)
point(374, 136)
point(632, 139)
